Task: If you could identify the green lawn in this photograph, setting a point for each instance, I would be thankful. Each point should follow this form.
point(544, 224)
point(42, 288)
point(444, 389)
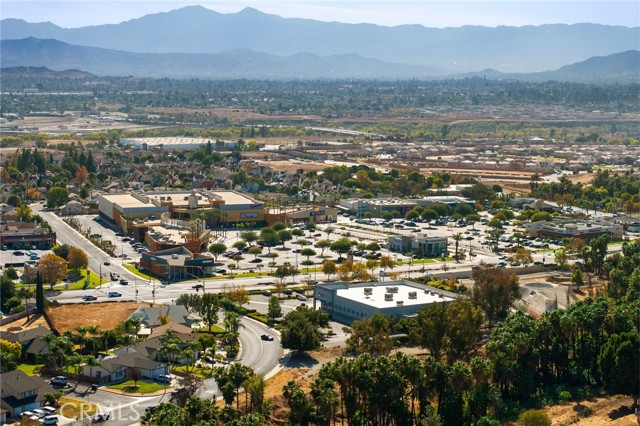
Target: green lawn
point(132, 268)
point(143, 387)
point(203, 373)
point(214, 329)
point(29, 368)
point(94, 281)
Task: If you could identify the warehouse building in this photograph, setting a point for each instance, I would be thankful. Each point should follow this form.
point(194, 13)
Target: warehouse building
point(176, 143)
point(584, 229)
point(346, 302)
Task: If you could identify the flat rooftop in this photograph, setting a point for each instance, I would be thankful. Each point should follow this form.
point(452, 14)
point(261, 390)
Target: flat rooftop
point(126, 200)
point(399, 291)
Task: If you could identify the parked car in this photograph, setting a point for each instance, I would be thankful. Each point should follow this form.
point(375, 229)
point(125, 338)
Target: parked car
point(288, 292)
point(49, 410)
point(59, 380)
point(49, 420)
point(151, 408)
point(100, 417)
point(267, 337)
point(301, 298)
point(106, 263)
point(266, 293)
point(40, 413)
point(114, 294)
point(163, 378)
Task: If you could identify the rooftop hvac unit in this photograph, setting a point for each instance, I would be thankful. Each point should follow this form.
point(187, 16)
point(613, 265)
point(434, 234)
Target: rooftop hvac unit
point(441, 296)
point(388, 297)
point(399, 303)
point(392, 289)
point(413, 295)
point(174, 256)
point(368, 290)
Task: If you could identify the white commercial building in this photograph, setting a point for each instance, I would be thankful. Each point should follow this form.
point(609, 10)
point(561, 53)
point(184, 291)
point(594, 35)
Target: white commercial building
point(175, 143)
point(346, 302)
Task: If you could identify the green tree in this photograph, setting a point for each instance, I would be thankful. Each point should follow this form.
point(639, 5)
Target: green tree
point(619, 364)
point(341, 246)
point(57, 196)
point(370, 335)
point(274, 310)
point(300, 329)
point(208, 309)
point(216, 249)
point(323, 245)
point(494, 290)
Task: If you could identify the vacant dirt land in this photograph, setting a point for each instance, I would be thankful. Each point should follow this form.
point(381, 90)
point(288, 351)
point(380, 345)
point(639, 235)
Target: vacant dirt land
point(615, 411)
point(105, 315)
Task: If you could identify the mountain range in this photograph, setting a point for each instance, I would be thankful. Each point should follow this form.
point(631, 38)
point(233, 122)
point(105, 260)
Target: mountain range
point(197, 42)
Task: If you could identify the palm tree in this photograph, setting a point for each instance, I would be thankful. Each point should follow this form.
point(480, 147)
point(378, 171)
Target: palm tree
point(93, 330)
point(232, 322)
point(255, 386)
point(457, 238)
point(91, 361)
point(190, 353)
point(238, 373)
point(75, 360)
point(326, 398)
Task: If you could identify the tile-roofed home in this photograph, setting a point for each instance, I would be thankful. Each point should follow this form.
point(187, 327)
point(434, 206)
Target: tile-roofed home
point(114, 369)
point(151, 315)
point(21, 392)
point(27, 338)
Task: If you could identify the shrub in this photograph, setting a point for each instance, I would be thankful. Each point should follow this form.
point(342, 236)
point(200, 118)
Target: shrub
point(534, 418)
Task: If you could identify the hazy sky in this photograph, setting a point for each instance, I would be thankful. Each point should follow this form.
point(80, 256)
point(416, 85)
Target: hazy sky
point(430, 13)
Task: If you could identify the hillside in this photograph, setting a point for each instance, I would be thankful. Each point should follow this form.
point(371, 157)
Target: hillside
point(195, 29)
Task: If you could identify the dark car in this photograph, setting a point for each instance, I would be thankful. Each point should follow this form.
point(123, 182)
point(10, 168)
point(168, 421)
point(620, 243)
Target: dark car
point(151, 408)
point(114, 294)
point(267, 337)
point(288, 292)
point(18, 253)
point(89, 297)
point(123, 281)
point(107, 263)
point(177, 391)
point(198, 287)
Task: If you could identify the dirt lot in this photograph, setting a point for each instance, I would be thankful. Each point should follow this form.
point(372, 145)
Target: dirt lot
point(614, 411)
point(106, 315)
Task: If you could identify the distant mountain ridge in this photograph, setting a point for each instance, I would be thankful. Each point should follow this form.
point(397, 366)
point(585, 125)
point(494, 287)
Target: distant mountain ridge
point(195, 29)
point(623, 67)
point(238, 63)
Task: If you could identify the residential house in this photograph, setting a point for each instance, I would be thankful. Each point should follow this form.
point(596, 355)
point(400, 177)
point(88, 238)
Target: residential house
point(21, 392)
point(31, 340)
point(152, 316)
point(114, 369)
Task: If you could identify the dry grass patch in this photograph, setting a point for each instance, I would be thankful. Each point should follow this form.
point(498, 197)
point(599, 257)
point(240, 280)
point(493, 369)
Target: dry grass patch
point(76, 408)
point(614, 411)
point(106, 315)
